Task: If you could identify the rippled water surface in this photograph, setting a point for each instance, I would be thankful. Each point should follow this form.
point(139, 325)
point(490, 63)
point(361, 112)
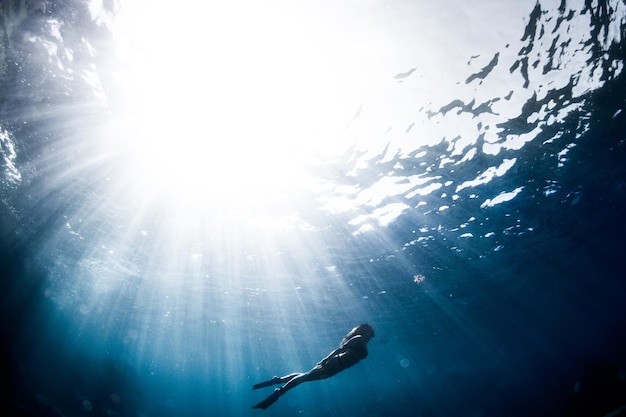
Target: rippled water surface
point(198, 196)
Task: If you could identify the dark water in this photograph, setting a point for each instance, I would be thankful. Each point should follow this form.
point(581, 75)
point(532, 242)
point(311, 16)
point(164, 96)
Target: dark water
point(475, 218)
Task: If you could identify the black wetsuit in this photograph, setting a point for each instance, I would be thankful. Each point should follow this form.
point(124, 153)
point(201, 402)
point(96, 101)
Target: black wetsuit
point(343, 360)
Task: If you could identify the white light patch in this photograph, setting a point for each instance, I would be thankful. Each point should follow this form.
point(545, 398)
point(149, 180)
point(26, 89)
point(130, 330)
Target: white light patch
point(489, 174)
point(224, 100)
point(501, 198)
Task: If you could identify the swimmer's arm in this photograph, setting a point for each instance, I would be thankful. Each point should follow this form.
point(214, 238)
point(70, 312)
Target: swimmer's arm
point(354, 341)
point(330, 355)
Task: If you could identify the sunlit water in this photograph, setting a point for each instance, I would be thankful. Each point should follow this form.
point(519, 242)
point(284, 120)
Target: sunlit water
point(198, 197)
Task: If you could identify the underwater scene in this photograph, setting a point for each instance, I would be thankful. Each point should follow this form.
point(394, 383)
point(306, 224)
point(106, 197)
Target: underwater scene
point(331, 208)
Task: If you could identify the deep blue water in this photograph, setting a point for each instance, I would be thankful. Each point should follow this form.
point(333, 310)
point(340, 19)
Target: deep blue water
point(474, 216)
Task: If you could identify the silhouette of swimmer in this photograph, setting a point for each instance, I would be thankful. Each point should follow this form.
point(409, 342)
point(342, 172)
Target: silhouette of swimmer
point(351, 350)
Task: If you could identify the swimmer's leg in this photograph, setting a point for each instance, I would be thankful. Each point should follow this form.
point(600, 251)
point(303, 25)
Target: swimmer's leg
point(293, 380)
point(275, 380)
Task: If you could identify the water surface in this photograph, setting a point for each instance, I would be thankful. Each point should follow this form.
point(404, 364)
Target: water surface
point(198, 197)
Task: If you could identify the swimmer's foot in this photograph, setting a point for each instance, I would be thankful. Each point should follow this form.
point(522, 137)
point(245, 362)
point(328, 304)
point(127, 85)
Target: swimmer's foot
point(269, 400)
point(273, 381)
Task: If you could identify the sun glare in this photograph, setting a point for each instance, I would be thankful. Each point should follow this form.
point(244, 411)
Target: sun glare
point(229, 98)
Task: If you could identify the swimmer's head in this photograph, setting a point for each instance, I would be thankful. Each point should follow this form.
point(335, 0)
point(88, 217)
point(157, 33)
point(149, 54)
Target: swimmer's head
point(364, 330)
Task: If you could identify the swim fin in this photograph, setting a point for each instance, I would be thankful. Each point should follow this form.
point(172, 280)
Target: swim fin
point(273, 381)
point(269, 400)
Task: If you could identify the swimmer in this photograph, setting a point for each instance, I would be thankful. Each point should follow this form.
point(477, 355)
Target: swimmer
point(351, 350)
